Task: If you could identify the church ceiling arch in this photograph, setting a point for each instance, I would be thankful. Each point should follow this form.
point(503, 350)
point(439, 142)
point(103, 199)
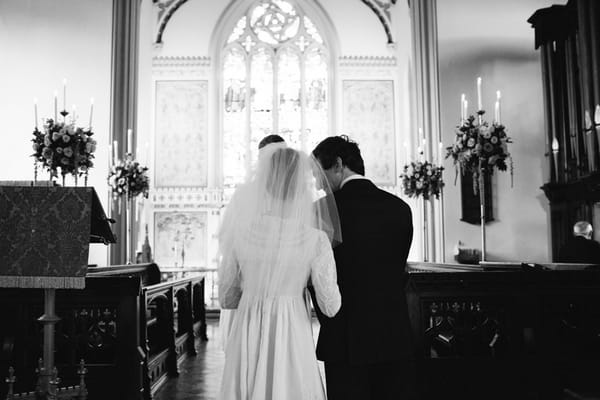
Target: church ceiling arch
point(166, 9)
point(381, 8)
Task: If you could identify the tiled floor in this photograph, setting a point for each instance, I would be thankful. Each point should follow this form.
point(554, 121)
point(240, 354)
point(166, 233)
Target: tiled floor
point(200, 376)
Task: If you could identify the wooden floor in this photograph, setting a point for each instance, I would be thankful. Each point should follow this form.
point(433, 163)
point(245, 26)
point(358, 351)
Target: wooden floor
point(200, 376)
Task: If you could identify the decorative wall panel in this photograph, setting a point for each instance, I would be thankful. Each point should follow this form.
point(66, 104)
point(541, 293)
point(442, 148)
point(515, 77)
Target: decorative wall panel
point(181, 133)
point(180, 239)
point(368, 118)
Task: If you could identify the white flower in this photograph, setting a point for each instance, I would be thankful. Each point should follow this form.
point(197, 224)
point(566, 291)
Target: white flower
point(59, 150)
point(68, 152)
point(494, 139)
point(471, 142)
point(66, 138)
point(121, 181)
point(56, 135)
point(486, 133)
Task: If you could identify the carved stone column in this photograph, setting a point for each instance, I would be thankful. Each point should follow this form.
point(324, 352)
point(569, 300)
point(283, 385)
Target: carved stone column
point(124, 81)
point(426, 112)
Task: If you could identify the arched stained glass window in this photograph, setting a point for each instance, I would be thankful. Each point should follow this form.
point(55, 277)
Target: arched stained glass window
point(275, 80)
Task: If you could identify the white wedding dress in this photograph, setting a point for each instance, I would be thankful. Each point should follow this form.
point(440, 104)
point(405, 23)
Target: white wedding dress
point(269, 350)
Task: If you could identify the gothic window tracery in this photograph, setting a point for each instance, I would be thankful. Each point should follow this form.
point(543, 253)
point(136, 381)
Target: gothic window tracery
point(275, 79)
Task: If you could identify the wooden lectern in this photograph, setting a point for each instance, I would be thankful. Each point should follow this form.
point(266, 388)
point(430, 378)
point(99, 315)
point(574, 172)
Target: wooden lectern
point(45, 233)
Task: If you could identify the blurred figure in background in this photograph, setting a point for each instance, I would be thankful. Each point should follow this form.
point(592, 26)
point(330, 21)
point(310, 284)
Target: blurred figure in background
point(581, 248)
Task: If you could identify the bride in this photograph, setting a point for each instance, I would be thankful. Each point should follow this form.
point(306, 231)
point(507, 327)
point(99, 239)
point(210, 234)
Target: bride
point(276, 239)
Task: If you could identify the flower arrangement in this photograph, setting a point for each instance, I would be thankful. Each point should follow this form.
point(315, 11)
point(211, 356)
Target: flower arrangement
point(476, 141)
point(65, 146)
point(128, 178)
point(422, 178)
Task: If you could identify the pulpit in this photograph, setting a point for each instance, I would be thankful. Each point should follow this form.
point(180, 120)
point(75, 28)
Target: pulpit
point(45, 233)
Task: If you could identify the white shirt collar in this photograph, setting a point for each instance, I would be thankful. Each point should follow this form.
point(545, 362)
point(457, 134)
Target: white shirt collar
point(351, 178)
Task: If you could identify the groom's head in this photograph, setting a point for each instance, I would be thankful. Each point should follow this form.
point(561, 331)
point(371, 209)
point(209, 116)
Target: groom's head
point(340, 157)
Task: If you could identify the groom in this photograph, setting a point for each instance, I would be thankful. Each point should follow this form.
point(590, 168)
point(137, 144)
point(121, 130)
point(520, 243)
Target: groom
point(366, 346)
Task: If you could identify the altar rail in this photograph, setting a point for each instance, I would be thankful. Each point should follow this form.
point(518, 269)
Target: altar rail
point(131, 330)
point(520, 334)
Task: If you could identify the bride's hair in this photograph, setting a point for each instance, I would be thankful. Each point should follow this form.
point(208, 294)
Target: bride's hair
point(282, 182)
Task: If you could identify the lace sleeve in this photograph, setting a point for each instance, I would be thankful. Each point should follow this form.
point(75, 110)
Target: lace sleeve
point(324, 278)
point(230, 289)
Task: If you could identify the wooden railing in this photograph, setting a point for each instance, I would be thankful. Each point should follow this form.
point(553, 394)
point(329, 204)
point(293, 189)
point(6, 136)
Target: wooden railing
point(131, 330)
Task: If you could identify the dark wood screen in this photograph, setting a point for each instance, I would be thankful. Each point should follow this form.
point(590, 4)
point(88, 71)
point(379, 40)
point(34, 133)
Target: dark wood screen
point(568, 37)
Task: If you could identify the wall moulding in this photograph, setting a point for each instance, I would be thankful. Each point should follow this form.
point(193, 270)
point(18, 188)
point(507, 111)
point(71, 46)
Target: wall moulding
point(367, 67)
point(368, 61)
point(186, 198)
point(181, 67)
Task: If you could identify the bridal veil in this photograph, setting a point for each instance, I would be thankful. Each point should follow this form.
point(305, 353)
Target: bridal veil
point(286, 196)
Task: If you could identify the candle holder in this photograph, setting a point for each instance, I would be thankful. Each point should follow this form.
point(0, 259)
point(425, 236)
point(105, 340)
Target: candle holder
point(478, 149)
point(127, 180)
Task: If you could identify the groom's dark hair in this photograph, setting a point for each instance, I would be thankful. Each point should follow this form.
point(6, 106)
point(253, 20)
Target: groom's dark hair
point(343, 147)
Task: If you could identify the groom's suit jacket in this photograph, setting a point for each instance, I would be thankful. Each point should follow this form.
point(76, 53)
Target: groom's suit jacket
point(372, 325)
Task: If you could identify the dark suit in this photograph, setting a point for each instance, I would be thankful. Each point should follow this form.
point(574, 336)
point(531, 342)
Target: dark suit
point(366, 346)
point(580, 250)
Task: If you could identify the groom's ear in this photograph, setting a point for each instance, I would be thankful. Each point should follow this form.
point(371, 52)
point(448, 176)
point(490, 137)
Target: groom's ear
point(339, 165)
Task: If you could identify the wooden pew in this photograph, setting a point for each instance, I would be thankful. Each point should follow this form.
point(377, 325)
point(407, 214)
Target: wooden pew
point(515, 334)
point(131, 329)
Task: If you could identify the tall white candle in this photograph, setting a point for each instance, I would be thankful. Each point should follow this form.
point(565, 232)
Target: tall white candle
point(462, 108)
point(440, 156)
point(115, 152)
point(499, 101)
point(424, 147)
point(406, 152)
point(597, 115)
point(91, 110)
point(479, 104)
point(110, 155)
point(65, 94)
point(497, 112)
point(55, 106)
point(129, 141)
point(466, 106)
point(73, 112)
point(35, 111)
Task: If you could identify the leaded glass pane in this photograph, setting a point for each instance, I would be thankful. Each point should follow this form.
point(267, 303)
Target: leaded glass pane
point(312, 30)
point(238, 30)
point(316, 97)
point(285, 86)
point(234, 117)
point(288, 84)
point(275, 21)
point(261, 94)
